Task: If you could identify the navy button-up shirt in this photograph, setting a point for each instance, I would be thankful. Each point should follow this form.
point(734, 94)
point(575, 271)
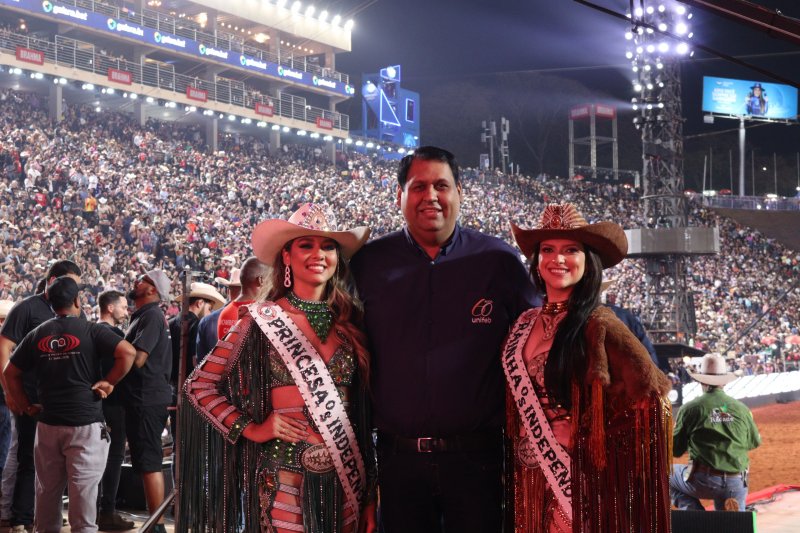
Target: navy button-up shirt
point(435, 329)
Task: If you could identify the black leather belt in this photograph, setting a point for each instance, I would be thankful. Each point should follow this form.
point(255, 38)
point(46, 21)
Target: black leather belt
point(467, 442)
point(700, 467)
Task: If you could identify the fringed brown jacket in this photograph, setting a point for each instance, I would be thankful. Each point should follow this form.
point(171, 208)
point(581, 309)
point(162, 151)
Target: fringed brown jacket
point(621, 436)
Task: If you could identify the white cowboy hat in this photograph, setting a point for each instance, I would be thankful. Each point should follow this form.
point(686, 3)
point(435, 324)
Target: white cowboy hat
point(713, 371)
point(309, 220)
point(235, 280)
point(208, 292)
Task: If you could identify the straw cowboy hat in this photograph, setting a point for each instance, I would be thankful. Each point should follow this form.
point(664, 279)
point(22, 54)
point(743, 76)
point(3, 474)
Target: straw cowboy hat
point(235, 280)
point(713, 371)
point(207, 292)
point(270, 236)
point(562, 221)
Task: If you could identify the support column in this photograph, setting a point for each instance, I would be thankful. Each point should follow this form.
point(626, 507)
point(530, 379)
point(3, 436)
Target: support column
point(139, 114)
point(55, 102)
point(212, 133)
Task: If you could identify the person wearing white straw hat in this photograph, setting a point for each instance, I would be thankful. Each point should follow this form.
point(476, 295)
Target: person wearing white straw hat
point(588, 417)
point(277, 411)
point(718, 431)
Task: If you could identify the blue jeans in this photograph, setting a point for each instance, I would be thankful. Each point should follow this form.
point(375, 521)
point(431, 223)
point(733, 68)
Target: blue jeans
point(703, 485)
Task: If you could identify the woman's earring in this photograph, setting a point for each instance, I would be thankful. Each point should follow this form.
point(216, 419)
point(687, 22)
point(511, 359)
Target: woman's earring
point(287, 277)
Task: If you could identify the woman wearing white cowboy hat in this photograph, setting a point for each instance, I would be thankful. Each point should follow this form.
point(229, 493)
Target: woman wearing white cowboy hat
point(587, 414)
point(285, 392)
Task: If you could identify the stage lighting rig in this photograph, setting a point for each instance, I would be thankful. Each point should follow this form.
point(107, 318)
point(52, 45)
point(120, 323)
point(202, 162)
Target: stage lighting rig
point(657, 42)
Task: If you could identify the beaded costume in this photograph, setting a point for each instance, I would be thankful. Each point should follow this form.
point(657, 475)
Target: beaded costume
point(231, 484)
point(618, 436)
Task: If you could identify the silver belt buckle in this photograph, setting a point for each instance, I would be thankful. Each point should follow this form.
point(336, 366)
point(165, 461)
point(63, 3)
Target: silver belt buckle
point(425, 444)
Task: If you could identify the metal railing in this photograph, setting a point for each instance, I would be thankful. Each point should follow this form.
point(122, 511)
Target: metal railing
point(753, 203)
point(189, 29)
point(71, 53)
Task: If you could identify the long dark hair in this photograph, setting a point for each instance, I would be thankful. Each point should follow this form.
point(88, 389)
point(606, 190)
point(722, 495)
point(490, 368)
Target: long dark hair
point(348, 313)
point(567, 358)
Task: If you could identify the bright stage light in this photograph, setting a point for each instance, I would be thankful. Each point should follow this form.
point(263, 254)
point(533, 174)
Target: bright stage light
point(682, 48)
point(662, 26)
point(336, 20)
point(310, 11)
point(323, 16)
point(680, 10)
point(628, 35)
point(638, 12)
point(150, 99)
point(650, 48)
point(681, 28)
point(349, 25)
point(663, 47)
point(629, 54)
point(296, 6)
point(661, 8)
point(275, 127)
point(650, 10)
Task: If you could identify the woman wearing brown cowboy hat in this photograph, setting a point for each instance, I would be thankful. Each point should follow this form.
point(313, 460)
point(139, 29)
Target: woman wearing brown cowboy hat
point(283, 394)
point(587, 414)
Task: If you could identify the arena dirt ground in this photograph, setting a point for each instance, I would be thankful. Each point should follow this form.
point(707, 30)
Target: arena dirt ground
point(776, 461)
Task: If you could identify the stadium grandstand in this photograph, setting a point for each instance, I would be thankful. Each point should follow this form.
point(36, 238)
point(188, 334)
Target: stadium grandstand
point(140, 135)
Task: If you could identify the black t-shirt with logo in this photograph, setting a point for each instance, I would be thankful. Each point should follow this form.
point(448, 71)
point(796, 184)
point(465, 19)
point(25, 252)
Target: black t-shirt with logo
point(64, 355)
point(22, 319)
point(149, 385)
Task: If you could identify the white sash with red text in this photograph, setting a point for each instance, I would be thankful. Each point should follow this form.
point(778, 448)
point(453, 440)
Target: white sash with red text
point(320, 395)
point(552, 458)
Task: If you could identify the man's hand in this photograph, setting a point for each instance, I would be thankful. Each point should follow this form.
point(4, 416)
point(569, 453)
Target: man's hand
point(103, 388)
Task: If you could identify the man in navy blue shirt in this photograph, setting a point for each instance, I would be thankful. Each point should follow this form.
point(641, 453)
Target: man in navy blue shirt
point(439, 300)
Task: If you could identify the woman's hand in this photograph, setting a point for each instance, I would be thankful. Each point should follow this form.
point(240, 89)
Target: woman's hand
point(277, 426)
point(368, 522)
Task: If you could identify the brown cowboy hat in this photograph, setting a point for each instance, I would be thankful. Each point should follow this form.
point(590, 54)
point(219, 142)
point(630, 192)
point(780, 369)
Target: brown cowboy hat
point(309, 220)
point(562, 221)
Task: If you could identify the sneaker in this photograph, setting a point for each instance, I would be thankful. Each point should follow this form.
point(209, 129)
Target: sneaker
point(114, 522)
point(731, 504)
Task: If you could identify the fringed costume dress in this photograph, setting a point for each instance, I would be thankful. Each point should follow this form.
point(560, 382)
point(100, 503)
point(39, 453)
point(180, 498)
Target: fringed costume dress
point(228, 483)
point(617, 435)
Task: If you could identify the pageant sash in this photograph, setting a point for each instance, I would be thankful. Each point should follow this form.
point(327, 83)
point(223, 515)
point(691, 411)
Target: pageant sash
point(552, 458)
point(320, 395)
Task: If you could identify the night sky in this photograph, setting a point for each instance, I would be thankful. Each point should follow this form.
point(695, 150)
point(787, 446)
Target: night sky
point(471, 41)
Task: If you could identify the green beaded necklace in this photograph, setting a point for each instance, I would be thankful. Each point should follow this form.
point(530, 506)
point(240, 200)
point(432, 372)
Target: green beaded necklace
point(319, 315)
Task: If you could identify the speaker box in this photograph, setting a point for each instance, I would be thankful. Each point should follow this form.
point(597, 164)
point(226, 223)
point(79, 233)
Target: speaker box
point(713, 522)
point(130, 494)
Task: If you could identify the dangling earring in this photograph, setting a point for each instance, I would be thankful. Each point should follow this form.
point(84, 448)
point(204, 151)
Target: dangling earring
point(287, 277)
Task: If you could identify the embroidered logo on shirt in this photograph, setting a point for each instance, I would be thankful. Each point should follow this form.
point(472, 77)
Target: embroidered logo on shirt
point(481, 311)
point(719, 416)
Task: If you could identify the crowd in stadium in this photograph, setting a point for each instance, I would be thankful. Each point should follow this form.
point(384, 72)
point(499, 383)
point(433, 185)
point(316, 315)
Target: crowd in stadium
point(119, 198)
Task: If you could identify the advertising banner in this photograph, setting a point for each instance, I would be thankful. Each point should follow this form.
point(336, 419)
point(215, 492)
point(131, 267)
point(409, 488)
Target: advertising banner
point(120, 76)
point(193, 93)
point(749, 98)
point(265, 109)
point(30, 56)
point(161, 39)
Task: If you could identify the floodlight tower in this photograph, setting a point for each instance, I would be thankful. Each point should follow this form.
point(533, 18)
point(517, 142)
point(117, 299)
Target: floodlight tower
point(658, 40)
